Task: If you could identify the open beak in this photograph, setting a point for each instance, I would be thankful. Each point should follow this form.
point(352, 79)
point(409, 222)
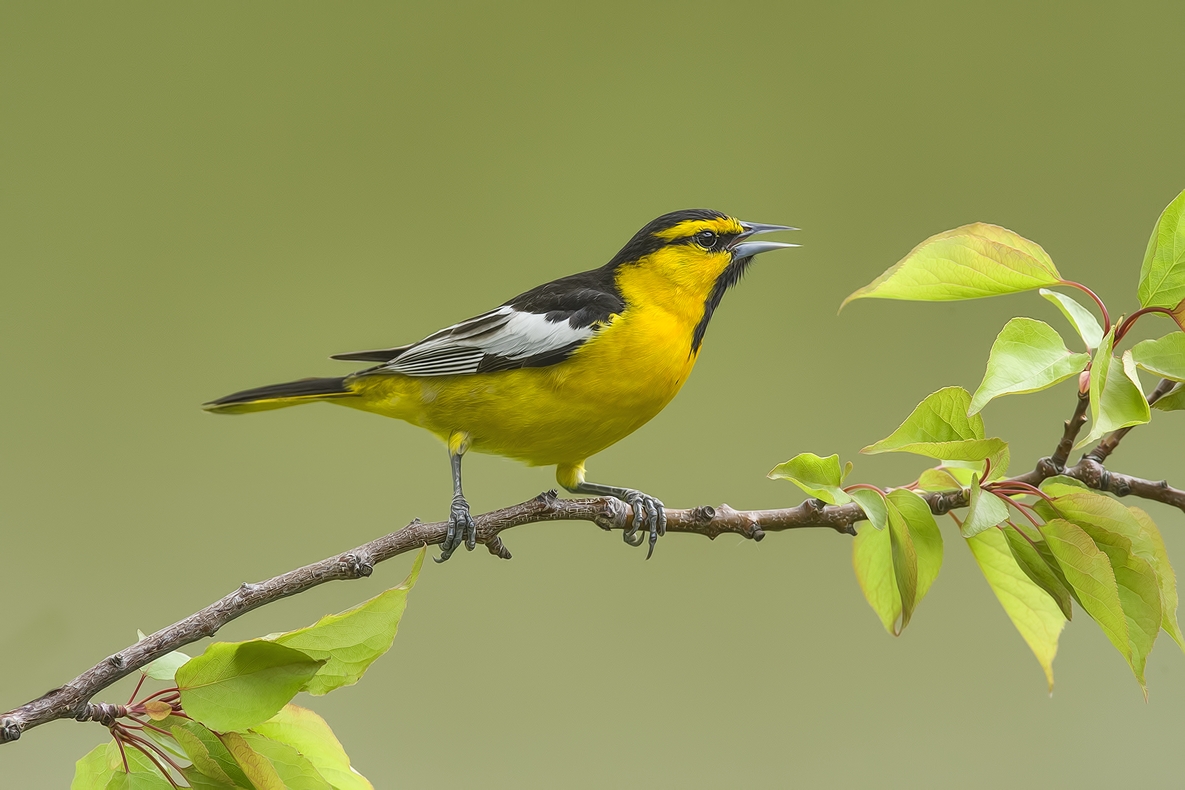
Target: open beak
point(747, 249)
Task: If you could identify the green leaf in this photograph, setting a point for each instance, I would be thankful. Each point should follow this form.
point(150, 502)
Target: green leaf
point(821, 478)
point(1162, 275)
point(1082, 319)
point(925, 535)
point(294, 769)
point(236, 685)
point(1027, 356)
point(969, 262)
point(208, 754)
point(1116, 400)
point(1174, 401)
point(1100, 516)
point(1036, 615)
point(940, 428)
point(259, 769)
point(165, 667)
point(905, 563)
point(350, 641)
point(138, 780)
point(199, 781)
point(1088, 572)
point(1033, 558)
point(986, 511)
point(873, 505)
point(872, 559)
point(309, 734)
point(940, 479)
point(1165, 576)
point(93, 771)
point(166, 740)
point(1165, 356)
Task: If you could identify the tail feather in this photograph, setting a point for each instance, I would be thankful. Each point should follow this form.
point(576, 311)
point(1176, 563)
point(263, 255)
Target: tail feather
point(278, 396)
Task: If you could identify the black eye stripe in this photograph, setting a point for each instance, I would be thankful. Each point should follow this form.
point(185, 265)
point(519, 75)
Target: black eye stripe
point(717, 241)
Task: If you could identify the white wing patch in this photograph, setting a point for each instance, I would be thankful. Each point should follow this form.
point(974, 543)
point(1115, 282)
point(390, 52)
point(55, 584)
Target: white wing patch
point(505, 333)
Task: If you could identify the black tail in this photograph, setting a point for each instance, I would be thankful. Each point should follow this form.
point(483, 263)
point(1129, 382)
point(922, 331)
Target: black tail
point(278, 396)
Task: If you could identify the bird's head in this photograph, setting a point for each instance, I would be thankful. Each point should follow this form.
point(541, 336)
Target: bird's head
point(701, 252)
point(698, 248)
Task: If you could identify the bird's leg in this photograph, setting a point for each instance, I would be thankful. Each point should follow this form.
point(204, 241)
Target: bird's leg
point(649, 514)
point(461, 528)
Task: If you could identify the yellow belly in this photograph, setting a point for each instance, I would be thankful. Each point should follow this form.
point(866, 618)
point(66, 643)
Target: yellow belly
point(560, 414)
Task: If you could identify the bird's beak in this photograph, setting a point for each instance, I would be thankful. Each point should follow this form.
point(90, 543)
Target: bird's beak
point(747, 249)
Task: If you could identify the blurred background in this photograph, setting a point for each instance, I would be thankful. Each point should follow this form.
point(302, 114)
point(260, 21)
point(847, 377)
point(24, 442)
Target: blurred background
point(200, 198)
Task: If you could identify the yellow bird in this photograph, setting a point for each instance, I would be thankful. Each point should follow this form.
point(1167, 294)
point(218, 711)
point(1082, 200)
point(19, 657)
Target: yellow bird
point(559, 373)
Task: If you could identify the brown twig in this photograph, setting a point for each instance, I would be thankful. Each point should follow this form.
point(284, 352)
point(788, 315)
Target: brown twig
point(73, 699)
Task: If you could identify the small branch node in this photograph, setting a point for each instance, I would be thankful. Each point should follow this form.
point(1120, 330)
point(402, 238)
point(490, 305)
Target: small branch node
point(817, 505)
point(703, 515)
point(497, 548)
point(548, 497)
point(357, 564)
point(1048, 467)
point(9, 731)
point(115, 661)
point(104, 713)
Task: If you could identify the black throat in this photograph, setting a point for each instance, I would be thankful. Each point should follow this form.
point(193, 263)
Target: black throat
point(728, 278)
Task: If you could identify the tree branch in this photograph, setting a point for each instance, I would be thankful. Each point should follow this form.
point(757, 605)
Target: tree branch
point(72, 699)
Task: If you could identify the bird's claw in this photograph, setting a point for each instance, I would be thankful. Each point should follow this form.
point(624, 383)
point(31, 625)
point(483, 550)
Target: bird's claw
point(461, 529)
point(649, 517)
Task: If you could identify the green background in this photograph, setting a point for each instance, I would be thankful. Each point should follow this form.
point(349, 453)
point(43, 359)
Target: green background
point(204, 197)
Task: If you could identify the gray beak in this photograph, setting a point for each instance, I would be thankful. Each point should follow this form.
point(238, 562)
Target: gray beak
point(747, 249)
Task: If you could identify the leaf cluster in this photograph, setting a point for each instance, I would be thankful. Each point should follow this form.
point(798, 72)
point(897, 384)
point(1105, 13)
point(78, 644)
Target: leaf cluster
point(1039, 549)
point(228, 721)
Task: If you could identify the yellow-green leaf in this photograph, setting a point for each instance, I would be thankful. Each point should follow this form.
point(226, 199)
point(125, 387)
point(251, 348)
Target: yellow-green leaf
point(872, 559)
point(939, 479)
point(1174, 401)
point(1162, 275)
point(1164, 356)
point(873, 505)
point(208, 754)
point(986, 510)
point(1088, 572)
point(258, 768)
point(1116, 400)
point(819, 477)
point(905, 564)
point(940, 428)
point(93, 771)
point(1032, 610)
point(1031, 557)
point(924, 534)
point(236, 685)
point(1158, 557)
point(349, 642)
point(1082, 319)
point(309, 734)
point(969, 262)
point(1027, 356)
point(294, 769)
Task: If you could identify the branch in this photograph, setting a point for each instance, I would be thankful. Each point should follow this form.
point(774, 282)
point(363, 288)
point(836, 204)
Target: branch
point(73, 699)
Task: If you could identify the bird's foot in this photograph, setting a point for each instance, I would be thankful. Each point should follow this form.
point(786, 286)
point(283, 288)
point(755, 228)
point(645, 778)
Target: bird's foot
point(461, 529)
point(649, 517)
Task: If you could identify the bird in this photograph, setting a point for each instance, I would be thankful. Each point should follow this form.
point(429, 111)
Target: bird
point(558, 373)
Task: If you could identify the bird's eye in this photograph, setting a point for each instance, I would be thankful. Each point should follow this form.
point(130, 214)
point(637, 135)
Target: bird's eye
point(706, 239)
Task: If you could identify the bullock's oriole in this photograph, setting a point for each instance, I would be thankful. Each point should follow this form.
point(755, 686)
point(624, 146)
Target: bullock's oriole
point(560, 372)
